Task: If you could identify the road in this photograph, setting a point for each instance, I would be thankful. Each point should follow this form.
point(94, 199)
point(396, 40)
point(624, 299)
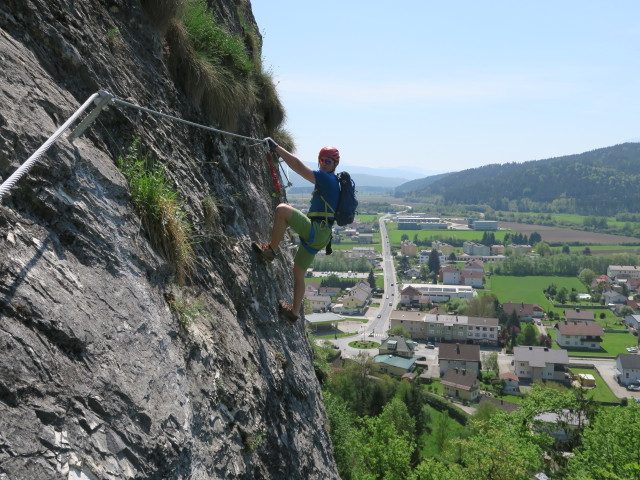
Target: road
point(386, 305)
point(377, 318)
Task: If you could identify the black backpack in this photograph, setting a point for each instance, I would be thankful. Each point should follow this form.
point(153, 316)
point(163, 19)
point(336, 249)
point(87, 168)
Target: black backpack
point(347, 202)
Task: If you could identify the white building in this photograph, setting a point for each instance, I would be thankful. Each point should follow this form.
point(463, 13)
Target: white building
point(423, 257)
point(627, 368)
point(476, 249)
point(540, 363)
point(630, 271)
point(430, 293)
point(447, 328)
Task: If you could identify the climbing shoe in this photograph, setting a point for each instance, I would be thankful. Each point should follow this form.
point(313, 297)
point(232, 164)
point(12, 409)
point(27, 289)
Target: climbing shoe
point(286, 311)
point(264, 251)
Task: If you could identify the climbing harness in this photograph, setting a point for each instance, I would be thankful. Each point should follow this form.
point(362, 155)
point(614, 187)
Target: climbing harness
point(103, 100)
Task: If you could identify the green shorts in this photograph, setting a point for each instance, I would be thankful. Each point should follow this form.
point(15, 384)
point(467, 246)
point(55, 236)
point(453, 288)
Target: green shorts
point(303, 225)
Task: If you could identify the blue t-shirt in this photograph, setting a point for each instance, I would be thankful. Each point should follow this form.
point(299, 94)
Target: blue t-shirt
point(326, 185)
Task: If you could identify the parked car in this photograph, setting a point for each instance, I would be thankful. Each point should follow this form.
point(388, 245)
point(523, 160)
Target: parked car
point(430, 345)
point(633, 388)
point(632, 350)
point(379, 315)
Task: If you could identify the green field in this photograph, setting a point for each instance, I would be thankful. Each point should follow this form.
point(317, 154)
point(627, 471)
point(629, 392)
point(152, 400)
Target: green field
point(529, 289)
point(368, 218)
point(395, 235)
point(606, 248)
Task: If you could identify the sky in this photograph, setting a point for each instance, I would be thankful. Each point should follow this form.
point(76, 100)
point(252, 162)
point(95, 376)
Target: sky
point(444, 86)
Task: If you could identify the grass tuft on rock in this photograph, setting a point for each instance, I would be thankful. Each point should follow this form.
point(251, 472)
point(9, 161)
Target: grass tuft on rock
point(160, 210)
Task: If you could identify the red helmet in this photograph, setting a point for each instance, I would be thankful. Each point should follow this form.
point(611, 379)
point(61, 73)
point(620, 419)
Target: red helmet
point(329, 152)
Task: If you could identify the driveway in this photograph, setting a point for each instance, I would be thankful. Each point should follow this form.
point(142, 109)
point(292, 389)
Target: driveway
point(606, 368)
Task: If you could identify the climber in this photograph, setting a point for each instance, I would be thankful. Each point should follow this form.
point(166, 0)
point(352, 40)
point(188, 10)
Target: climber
point(314, 228)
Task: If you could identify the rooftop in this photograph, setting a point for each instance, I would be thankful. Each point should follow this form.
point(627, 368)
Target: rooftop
point(592, 329)
point(629, 360)
point(395, 361)
point(540, 356)
point(459, 378)
point(456, 351)
point(577, 314)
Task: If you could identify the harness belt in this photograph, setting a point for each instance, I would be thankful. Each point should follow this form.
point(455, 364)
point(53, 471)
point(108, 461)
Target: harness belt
point(312, 236)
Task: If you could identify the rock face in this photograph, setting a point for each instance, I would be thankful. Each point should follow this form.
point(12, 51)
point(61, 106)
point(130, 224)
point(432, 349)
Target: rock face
point(98, 377)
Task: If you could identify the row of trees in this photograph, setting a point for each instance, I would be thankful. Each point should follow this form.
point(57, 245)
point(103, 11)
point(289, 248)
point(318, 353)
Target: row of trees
point(338, 262)
point(344, 283)
point(561, 265)
point(489, 239)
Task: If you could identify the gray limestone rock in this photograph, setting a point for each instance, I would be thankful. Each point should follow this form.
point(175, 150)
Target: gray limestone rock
point(98, 378)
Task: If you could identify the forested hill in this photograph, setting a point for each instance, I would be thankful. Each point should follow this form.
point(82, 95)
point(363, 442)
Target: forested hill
point(599, 182)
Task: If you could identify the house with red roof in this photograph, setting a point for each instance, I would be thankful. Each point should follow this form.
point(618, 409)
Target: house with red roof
point(579, 335)
point(511, 381)
point(526, 312)
point(579, 315)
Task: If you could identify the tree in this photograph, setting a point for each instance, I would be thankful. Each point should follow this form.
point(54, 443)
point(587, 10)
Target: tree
point(397, 414)
point(371, 279)
point(625, 290)
point(441, 431)
point(565, 249)
point(586, 276)
point(424, 271)
point(626, 310)
point(481, 306)
point(342, 432)
point(500, 449)
point(561, 296)
point(543, 249)
point(535, 238)
point(610, 446)
point(434, 263)
point(403, 262)
point(399, 330)
point(513, 327)
point(381, 451)
point(433, 470)
point(544, 341)
point(490, 361)
point(530, 335)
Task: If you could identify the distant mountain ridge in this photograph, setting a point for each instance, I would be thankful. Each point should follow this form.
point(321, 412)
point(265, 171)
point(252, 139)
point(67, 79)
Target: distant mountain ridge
point(366, 178)
point(599, 182)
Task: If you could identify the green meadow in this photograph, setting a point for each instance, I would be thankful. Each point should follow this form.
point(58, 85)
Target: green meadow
point(528, 289)
point(395, 235)
point(602, 392)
